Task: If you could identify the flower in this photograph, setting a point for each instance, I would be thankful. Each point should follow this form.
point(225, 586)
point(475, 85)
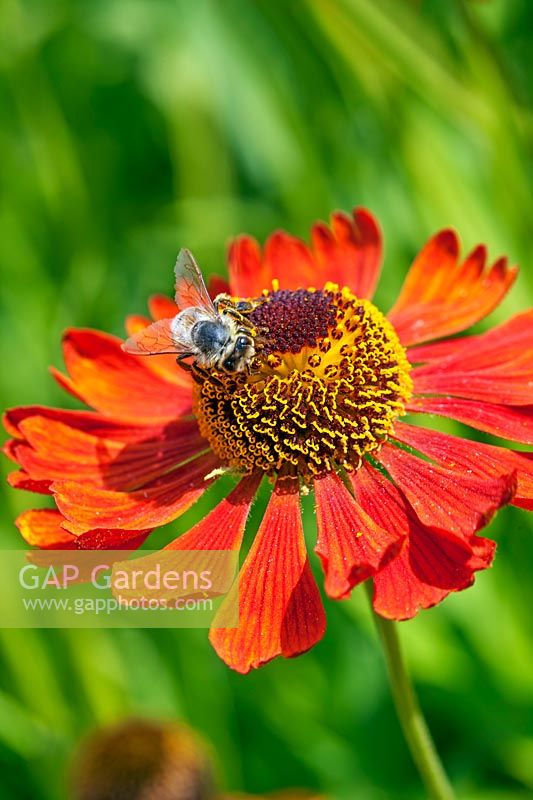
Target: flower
point(294, 794)
point(141, 758)
point(321, 410)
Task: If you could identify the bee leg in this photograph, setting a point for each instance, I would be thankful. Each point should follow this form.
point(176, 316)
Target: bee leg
point(246, 326)
point(181, 363)
point(247, 306)
point(200, 374)
point(221, 300)
point(197, 377)
point(244, 306)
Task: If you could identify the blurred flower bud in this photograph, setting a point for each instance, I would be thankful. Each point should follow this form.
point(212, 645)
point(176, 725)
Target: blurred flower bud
point(288, 794)
point(142, 760)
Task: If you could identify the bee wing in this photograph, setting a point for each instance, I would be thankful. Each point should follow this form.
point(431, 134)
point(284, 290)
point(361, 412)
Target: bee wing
point(155, 339)
point(190, 287)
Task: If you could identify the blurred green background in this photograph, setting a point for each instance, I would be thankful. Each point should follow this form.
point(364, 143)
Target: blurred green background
point(130, 128)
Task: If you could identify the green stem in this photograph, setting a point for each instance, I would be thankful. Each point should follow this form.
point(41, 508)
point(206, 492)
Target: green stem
point(413, 724)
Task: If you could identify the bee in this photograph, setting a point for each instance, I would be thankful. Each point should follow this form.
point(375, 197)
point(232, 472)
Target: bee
point(215, 333)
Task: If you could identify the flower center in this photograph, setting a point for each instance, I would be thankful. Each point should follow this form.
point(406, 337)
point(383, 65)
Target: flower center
point(325, 387)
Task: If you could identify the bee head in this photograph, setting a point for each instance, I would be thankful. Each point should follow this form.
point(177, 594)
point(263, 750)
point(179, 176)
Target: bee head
point(241, 352)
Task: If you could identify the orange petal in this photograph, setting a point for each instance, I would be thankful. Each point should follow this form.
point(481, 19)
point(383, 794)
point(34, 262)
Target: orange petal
point(350, 545)
point(441, 296)
point(157, 503)
point(443, 498)
point(515, 423)
point(248, 276)
point(430, 272)
point(285, 258)
point(21, 480)
point(9, 449)
point(350, 252)
point(280, 611)
point(135, 323)
point(289, 260)
point(498, 367)
point(162, 307)
point(88, 421)
point(431, 563)
point(117, 383)
point(56, 451)
point(440, 350)
point(223, 527)
point(220, 531)
point(111, 539)
point(472, 458)
point(500, 344)
point(42, 528)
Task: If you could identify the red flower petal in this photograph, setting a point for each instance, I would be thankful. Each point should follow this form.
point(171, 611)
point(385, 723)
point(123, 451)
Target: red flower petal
point(474, 458)
point(433, 269)
point(441, 296)
point(248, 275)
point(161, 307)
point(21, 480)
point(279, 604)
point(431, 564)
point(169, 370)
point(65, 383)
point(350, 253)
point(502, 343)
point(289, 260)
point(350, 545)
point(9, 449)
point(135, 323)
point(444, 498)
point(285, 258)
point(515, 423)
point(497, 368)
point(163, 365)
point(88, 421)
point(53, 450)
point(111, 539)
point(159, 502)
point(42, 528)
point(119, 384)
point(217, 285)
point(223, 528)
point(439, 350)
